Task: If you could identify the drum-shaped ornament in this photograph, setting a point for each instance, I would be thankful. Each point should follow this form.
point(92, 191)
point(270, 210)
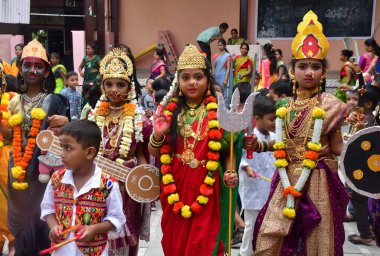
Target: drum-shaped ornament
point(360, 162)
point(143, 183)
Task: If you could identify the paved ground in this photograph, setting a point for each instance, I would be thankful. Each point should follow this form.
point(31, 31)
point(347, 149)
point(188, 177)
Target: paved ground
point(153, 248)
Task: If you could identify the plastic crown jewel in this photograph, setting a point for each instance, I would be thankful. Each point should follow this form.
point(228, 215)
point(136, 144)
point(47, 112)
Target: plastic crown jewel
point(191, 58)
point(113, 65)
point(34, 49)
point(310, 42)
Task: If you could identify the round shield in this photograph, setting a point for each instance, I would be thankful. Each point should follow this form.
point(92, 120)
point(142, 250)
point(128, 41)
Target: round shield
point(360, 162)
point(143, 183)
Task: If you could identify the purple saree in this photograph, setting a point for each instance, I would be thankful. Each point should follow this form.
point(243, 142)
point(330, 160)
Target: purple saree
point(318, 226)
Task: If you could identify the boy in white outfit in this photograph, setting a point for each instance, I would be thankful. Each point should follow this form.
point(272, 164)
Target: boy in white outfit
point(253, 190)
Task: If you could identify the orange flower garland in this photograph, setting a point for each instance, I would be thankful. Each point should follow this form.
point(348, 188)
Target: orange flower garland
point(21, 162)
point(5, 98)
point(206, 189)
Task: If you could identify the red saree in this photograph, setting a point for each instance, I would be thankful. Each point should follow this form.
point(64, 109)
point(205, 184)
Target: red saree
point(197, 235)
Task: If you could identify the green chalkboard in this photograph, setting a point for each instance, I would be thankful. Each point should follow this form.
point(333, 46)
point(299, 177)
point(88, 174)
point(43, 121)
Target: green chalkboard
point(340, 18)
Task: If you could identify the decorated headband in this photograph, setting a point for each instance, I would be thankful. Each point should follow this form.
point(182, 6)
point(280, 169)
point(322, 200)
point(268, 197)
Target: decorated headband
point(116, 64)
point(310, 42)
point(191, 58)
point(34, 49)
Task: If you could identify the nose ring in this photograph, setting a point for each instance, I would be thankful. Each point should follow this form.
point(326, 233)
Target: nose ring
point(312, 74)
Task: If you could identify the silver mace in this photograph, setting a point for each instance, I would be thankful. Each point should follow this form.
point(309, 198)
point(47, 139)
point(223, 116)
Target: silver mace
point(233, 121)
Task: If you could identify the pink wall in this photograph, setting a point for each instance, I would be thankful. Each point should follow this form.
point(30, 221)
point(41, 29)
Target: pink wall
point(336, 45)
point(140, 22)
point(7, 46)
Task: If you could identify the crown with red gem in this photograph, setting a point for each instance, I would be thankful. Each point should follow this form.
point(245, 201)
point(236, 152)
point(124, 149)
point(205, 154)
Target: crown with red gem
point(310, 42)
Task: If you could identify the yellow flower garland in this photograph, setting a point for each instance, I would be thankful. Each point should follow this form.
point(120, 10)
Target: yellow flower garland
point(279, 145)
point(173, 198)
point(165, 159)
point(15, 120)
point(214, 145)
point(209, 181)
point(314, 146)
point(167, 178)
point(281, 112)
point(212, 165)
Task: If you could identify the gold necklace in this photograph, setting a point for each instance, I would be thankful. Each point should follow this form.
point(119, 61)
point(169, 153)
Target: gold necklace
point(113, 138)
point(188, 156)
point(185, 128)
point(297, 132)
point(192, 107)
point(305, 94)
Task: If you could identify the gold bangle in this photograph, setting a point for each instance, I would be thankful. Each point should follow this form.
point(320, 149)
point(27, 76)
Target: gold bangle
point(158, 142)
point(155, 144)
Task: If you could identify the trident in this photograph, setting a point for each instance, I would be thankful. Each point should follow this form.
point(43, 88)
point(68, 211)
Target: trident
point(233, 121)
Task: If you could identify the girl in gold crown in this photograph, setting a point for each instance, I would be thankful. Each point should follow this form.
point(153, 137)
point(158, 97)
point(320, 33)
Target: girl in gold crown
point(124, 129)
point(189, 142)
point(35, 109)
point(306, 207)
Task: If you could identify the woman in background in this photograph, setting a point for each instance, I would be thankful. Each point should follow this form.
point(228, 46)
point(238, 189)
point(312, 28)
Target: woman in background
point(222, 66)
point(347, 75)
point(158, 68)
point(59, 72)
point(243, 65)
point(90, 63)
point(268, 67)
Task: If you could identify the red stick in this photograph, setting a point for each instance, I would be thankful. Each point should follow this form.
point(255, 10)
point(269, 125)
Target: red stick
point(55, 247)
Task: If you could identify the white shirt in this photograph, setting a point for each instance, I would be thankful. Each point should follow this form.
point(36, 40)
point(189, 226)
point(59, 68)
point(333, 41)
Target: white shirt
point(114, 203)
point(254, 192)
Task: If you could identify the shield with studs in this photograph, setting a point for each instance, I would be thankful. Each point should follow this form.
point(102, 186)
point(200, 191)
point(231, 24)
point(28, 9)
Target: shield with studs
point(360, 162)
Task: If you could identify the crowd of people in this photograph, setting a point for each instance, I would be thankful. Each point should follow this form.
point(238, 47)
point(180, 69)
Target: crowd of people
point(287, 199)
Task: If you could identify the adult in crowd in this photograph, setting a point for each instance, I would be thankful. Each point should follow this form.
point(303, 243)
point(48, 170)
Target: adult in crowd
point(158, 68)
point(282, 70)
point(59, 72)
point(206, 37)
point(268, 66)
point(90, 63)
point(347, 75)
point(243, 65)
point(235, 39)
point(223, 67)
point(372, 49)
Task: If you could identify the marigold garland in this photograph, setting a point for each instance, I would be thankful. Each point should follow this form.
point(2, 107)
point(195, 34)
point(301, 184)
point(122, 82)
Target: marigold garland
point(21, 162)
point(308, 164)
point(5, 98)
point(132, 123)
point(206, 189)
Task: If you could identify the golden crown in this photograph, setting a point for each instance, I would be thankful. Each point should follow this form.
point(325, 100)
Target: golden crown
point(34, 49)
point(310, 42)
point(191, 58)
point(116, 64)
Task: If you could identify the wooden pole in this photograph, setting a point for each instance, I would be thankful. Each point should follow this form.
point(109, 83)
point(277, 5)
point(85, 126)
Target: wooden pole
point(230, 195)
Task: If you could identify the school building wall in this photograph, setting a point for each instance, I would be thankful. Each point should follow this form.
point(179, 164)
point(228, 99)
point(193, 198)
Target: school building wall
point(140, 22)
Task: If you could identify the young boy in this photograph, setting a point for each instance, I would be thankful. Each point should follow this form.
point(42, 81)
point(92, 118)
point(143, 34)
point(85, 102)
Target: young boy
point(147, 100)
point(72, 95)
point(280, 89)
point(368, 101)
point(254, 191)
point(82, 194)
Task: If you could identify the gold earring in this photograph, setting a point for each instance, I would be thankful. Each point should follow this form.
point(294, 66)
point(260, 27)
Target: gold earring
point(208, 93)
point(293, 79)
